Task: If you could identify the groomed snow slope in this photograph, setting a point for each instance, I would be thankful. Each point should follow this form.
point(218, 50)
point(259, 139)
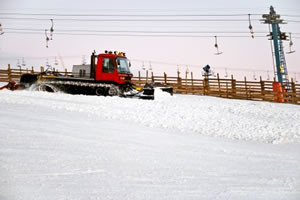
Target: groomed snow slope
point(234, 119)
point(58, 146)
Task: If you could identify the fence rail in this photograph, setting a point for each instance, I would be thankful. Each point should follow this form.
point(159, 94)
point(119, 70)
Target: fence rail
point(226, 88)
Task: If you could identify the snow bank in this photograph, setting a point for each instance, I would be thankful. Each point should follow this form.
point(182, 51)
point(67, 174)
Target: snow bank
point(234, 119)
point(49, 154)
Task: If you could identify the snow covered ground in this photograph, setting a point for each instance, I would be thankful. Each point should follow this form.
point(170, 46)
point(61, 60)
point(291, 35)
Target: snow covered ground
point(59, 146)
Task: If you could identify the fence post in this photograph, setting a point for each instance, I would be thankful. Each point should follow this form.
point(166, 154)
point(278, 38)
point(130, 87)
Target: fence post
point(152, 77)
point(219, 84)
point(140, 79)
point(9, 72)
point(165, 77)
point(186, 84)
point(146, 76)
point(192, 82)
point(226, 89)
point(66, 72)
point(208, 88)
point(205, 86)
point(32, 71)
point(262, 86)
point(179, 83)
point(246, 87)
point(233, 87)
point(294, 92)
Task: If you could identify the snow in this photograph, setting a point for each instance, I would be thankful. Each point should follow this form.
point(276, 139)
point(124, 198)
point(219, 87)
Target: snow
point(233, 119)
point(59, 146)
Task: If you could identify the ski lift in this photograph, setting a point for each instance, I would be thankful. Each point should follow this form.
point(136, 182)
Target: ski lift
point(1, 30)
point(213, 74)
point(48, 64)
point(187, 70)
point(250, 26)
point(47, 38)
point(23, 62)
point(143, 66)
point(290, 45)
point(55, 61)
point(268, 76)
point(217, 47)
point(254, 76)
point(51, 30)
point(226, 73)
point(18, 63)
point(150, 67)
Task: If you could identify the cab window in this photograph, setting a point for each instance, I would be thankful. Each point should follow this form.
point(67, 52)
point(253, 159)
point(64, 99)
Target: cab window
point(108, 65)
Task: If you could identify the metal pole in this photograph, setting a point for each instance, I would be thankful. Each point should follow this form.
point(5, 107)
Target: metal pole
point(275, 31)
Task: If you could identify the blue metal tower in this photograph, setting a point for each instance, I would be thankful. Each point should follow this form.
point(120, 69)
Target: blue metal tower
point(277, 36)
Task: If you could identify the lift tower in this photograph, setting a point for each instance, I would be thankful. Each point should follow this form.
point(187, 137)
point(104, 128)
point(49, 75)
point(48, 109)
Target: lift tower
point(277, 36)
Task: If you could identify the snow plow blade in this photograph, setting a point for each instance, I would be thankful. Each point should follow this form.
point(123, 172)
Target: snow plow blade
point(148, 93)
point(167, 89)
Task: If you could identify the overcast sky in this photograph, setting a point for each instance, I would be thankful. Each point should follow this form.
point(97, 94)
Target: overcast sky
point(241, 55)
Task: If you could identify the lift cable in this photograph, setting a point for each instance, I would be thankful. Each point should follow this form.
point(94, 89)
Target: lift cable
point(138, 20)
point(248, 69)
point(141, 35)
point(126, 15)
point(131, 20)
point(136, 31)
point(134, 15)
point(200, 67)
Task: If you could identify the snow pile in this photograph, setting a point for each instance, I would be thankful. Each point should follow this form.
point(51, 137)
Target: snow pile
point(234, 119)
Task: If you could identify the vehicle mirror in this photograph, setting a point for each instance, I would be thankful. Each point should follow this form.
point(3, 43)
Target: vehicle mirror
point(118, 62)
point(129, 64)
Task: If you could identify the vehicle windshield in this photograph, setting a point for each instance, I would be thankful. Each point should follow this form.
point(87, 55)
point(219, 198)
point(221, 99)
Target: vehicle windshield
point(123, 66)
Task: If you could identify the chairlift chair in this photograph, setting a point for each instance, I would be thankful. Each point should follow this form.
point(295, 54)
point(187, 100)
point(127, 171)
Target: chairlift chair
point(1, 30)
point(250, 26)
point(143, 66)
point(290, 45)
point(51, 30)
point(254, 76)
point(23, 62)
point(55, 61)
point(150, 66)
point(217, 47)
point(47, 38)
point(226, 73)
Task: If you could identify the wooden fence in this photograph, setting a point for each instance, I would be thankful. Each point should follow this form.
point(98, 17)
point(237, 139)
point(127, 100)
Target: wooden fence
point(15, 74)
point(226, 88)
